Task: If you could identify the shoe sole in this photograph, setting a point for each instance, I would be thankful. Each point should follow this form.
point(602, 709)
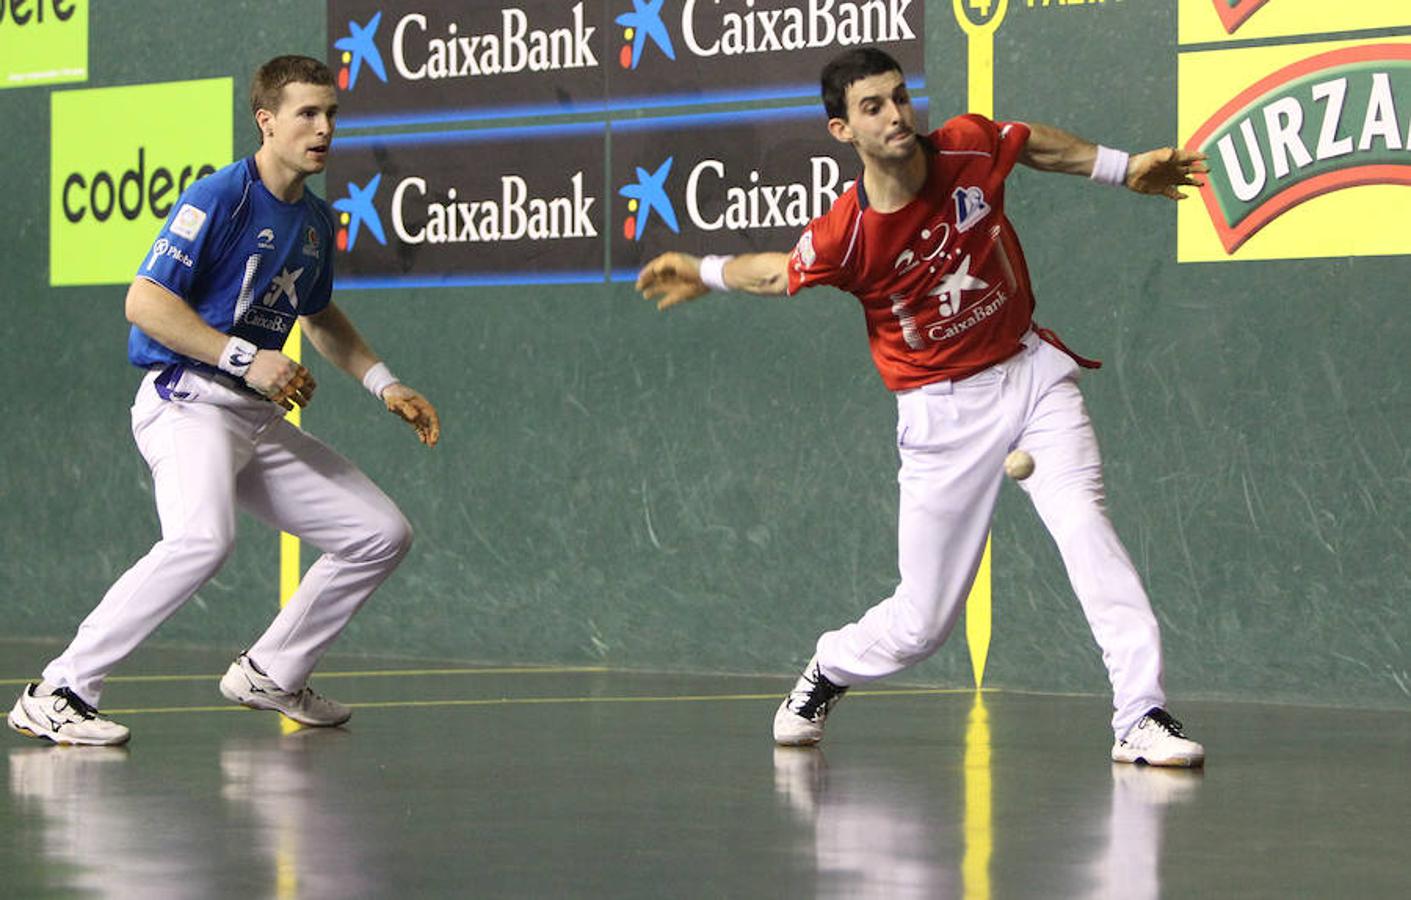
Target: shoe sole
point(255, 702)
point(42, 735)
point(1171, 762)
point(797, 742)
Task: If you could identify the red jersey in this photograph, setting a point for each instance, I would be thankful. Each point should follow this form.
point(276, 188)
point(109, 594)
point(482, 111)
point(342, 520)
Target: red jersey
point(942, 280)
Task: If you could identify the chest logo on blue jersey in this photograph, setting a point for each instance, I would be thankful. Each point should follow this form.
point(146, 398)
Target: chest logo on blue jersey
point(283, 285)
point(970, 207)
point(265, 239)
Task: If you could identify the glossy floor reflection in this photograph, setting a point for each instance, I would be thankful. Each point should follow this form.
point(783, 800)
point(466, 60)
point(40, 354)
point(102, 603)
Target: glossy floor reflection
point(476, 782)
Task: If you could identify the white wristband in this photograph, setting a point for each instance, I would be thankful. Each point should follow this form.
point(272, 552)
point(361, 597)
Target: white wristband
point(1110, 167)
point(713, 272)
point(378, 379)
point(237, 357)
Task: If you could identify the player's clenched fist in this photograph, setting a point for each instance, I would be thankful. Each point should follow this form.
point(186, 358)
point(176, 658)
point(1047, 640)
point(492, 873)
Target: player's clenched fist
point(281, 379)
point(670, 279)
point(414, 409)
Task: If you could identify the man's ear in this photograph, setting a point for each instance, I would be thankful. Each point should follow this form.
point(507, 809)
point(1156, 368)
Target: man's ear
point(839, 130)
point(264, 120)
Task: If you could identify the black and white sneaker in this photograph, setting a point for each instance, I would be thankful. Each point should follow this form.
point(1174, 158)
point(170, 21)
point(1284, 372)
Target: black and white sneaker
point(1157, 740)
point(799, 720)
point(64, 718)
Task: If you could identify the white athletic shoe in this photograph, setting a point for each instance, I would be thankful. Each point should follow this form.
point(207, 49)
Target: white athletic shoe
point(248, 686)
point(799, 719)
point(1157, 740)
point(64, 718)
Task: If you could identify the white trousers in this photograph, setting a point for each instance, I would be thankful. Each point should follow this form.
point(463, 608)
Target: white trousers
point(952, 438)
point(213, 451)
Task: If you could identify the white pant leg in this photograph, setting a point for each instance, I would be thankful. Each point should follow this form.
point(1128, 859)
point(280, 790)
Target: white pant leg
point(952, 438)
point(300, 485)
point(194, 451)
point(1067, 491)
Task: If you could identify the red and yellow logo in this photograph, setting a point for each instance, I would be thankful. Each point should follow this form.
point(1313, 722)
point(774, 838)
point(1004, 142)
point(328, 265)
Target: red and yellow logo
point(1309, 159)
point(1214, 21)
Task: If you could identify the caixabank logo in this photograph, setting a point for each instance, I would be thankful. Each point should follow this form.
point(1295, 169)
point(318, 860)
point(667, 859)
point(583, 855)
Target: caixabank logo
point(1225, 21)
point(404, 61)
point(412, 212)
point(1309, 159)
point(722, 183)
point(119, 159)
point(670, 50)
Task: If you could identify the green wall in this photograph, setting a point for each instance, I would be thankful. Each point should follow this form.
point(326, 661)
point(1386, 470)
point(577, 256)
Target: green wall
point(709, 489)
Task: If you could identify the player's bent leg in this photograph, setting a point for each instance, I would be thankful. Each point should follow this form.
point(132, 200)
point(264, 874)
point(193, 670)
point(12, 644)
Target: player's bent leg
point(63, 717)
point(305, 488)
point(952, 444)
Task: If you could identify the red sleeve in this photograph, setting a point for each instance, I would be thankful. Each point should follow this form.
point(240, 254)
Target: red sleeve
point(1003, 140)
point(827, 249)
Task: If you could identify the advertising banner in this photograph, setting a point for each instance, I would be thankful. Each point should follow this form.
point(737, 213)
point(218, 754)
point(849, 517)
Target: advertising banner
point(43, 42)
point(119, 158)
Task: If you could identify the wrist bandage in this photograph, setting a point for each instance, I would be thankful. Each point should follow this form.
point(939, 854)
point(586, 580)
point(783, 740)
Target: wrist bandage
point(378, 379)
point(1110, 167)
point(713, 272)
point(237, 356)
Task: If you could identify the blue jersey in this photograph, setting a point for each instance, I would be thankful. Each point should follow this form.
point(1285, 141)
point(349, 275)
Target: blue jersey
point(248, 263)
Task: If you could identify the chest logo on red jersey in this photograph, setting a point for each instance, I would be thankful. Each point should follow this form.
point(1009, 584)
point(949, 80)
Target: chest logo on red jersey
point(950, 291)
point(970, 207)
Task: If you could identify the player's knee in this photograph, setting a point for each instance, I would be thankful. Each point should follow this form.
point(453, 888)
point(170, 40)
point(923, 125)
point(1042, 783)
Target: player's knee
point(206, 550)
point(388, 536)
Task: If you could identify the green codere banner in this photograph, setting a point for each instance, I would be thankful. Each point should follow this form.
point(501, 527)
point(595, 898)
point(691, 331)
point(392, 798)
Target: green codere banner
point(43, 42)
point(119, 158)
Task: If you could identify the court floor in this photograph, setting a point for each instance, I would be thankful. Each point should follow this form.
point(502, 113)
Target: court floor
point(464, 781)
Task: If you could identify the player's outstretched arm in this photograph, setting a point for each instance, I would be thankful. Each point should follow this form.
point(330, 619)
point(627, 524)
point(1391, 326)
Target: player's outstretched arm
point(169, 320)
point(674, 278)
point(1163, 171)
point(336, 340)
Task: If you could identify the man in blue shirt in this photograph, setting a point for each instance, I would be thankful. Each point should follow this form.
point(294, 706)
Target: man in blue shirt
point(245, 254)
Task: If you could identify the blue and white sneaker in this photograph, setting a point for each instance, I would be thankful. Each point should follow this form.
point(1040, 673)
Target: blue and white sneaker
point(64, 718)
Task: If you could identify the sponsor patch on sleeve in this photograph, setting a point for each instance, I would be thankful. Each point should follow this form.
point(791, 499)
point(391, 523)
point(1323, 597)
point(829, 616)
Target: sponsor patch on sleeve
point(188, 222)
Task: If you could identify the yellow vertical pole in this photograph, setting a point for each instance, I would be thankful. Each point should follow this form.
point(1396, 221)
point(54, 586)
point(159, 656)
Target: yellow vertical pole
point(289, 571)
point(980, 75)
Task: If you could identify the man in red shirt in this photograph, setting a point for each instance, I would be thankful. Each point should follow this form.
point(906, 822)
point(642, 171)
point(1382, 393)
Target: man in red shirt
point(921, 239)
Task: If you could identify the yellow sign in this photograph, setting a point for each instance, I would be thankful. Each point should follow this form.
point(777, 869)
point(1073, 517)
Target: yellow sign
point(43, 42)
point(1308, 150)
point(119, 158)
point(1207, 21)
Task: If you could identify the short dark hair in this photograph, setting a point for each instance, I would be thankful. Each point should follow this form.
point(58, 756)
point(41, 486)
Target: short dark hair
point(844, 69)
point(270, 79)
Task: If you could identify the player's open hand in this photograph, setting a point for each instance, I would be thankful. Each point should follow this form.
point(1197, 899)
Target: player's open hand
point(280, 379)
point(670, 279)
point(416, 410)
point(1165, 171)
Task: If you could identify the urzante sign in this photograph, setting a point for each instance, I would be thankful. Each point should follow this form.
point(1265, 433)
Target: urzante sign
point(1326, 123)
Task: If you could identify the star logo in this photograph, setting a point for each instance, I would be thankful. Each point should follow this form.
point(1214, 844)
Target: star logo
point(950, 292)
point(357, 210)
point(358, 48)
point(644, 21)
point(283, 285)
point(647, 194)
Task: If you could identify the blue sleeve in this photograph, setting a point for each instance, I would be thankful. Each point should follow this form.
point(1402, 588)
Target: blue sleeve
point(321, 220)
point(193, 236)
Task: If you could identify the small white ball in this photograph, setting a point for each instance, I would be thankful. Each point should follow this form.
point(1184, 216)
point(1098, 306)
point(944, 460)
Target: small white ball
point(1018, 465)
